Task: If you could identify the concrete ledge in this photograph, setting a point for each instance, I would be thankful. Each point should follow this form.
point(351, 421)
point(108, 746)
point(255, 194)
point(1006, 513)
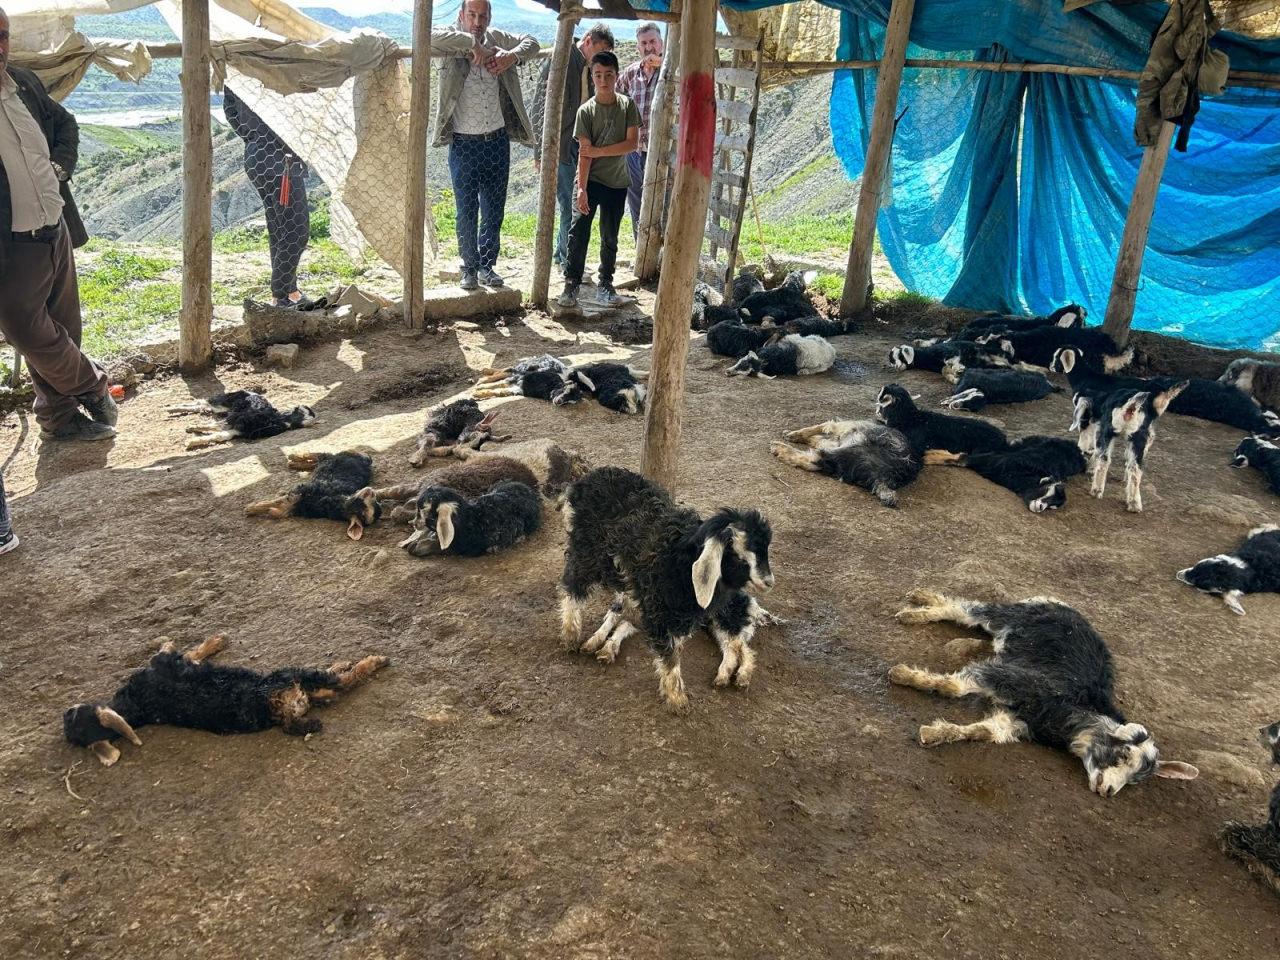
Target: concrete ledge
point(452, 303)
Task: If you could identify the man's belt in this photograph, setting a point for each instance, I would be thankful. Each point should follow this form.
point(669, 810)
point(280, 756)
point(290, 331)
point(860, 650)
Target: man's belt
point(492, 135)
point(42, 235)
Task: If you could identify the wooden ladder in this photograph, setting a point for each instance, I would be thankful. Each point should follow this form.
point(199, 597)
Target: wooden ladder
point(737, 103)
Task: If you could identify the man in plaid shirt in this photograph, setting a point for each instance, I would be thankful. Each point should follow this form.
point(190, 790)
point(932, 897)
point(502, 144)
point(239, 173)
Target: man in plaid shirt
point(640, 82)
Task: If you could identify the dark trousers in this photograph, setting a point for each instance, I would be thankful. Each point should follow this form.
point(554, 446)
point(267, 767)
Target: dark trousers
point(635, 167)
point(6, 527)
point(288, 225)
point(40, 317)
point(612, 203)
point(479, 170)
point(566, 175)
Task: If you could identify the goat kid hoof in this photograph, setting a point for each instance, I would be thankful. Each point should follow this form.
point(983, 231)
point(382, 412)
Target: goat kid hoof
point(900, 674)
point(1133, 507)
point(677, 702)
point(606, 654)
point(742, 679)
point(925, 598)
point(932, 735)
point(722, 679)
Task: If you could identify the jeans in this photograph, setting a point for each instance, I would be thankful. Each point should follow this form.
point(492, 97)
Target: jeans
point(635, 167)
point(612, 203)
point(479, 170)
point(566, 173)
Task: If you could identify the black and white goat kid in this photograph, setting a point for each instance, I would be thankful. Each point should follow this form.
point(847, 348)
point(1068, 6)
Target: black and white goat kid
point(1069, 317)
point(1037, 347)
point(1256, 379)
point(793, 355)
point(927, 430)
point(182, 690)
point(616, 386)
point(240, 414)
point(450, 523)
point(1050, 679)
point(979, 387)
point(1035, 468)
point(1257, 846)
point(785, 302)
point(734, 339)
point(1263, 455)
point(668, 568)
point(1253, 568)
point(338, 489)
point(539, 378)
point(1126, 417)
point(877, 458)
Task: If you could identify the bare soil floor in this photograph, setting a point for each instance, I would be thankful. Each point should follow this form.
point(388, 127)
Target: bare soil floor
point(491, 796)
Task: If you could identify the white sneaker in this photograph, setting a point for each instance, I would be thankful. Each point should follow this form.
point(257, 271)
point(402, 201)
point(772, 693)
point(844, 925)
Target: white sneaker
point(10, 544)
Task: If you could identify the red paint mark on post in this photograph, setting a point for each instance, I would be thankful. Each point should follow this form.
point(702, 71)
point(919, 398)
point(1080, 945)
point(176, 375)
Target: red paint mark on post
point(697, 123)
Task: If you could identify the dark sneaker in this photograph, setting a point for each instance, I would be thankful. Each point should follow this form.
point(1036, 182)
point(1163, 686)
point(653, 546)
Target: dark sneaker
point(489, 278)
point(469, 281)
point(103, 409)
point(607, 296)
point(79, 427)
point(569, 296)
point(9, 543)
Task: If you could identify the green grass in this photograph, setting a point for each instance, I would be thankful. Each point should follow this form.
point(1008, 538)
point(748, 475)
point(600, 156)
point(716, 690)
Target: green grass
point(240, 240)
point(122, 296)
point(800, 236)
point(909, 299)
point(830, 285)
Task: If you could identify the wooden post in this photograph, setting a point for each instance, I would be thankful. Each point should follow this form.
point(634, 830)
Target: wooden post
point(664, 409)
point(857, 275)
point(1133, 245)
point(195, 343)
point(658, 165)
point(415, 207)
point(544, 239)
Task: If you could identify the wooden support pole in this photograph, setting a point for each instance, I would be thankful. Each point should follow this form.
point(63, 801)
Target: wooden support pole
point(857, 276)
point(544, 238)
point(1133, 245)
point(415, 206)
point(195, 342)
point(658, 165)
point(665, 406)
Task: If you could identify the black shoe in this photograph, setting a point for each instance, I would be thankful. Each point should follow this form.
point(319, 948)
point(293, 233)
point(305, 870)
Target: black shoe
point(489, 278)
point(569, 296)
point(79, 427)
point(103, 409)
point(469, 281)
point(8, 543)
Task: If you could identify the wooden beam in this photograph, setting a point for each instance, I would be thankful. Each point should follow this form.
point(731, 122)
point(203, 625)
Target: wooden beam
point(1133, 244)
point(195, 342)
point(653, 198)
point(665, 406)
point(544, 238)
point(857, 276)
point(415, 206)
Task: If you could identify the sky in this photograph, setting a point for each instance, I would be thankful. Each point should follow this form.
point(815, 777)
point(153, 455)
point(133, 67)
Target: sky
point(354, 8)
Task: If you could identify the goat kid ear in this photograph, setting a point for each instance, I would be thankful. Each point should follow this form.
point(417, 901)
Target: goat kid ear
point(444, 524)
point(1163, 400)
point(1232, 599)
point(585, 381)
point(105, 751)
point(113, 721)
point(1176, 770)
point(706, 571)
point(355, 529)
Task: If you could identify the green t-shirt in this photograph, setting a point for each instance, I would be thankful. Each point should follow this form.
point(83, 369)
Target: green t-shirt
point(605, 124)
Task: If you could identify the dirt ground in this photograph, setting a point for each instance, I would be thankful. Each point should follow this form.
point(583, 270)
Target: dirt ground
point(491, 796)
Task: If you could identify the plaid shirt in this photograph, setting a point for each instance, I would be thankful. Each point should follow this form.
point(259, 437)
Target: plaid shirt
point(642, 90)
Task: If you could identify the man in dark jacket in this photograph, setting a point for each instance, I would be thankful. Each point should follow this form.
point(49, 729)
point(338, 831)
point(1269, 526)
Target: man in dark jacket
point(577, 90)
point(39, 225)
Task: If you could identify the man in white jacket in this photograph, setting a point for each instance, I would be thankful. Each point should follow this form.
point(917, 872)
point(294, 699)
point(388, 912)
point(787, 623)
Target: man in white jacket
point(480, 114)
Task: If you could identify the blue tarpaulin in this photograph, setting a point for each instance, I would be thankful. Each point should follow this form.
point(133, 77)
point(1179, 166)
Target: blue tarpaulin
point(1010, 189)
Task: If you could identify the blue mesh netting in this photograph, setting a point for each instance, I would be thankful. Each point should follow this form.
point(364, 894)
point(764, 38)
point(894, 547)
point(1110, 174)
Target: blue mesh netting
point(1010, 190)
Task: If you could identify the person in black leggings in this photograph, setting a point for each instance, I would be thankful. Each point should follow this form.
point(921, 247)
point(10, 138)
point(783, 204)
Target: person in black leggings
point(280, 178)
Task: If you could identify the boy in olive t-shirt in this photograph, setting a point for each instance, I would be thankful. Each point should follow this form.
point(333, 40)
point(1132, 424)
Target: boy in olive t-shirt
point(607, 129)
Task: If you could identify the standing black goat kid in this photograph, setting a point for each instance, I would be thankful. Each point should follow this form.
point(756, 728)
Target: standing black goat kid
point(1253, 568)
point(338, 489)
point(448, 522)
point(1035, 468)
point(240, 414)
point(1050, 679)
point(664, 562)
point(182, 690)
